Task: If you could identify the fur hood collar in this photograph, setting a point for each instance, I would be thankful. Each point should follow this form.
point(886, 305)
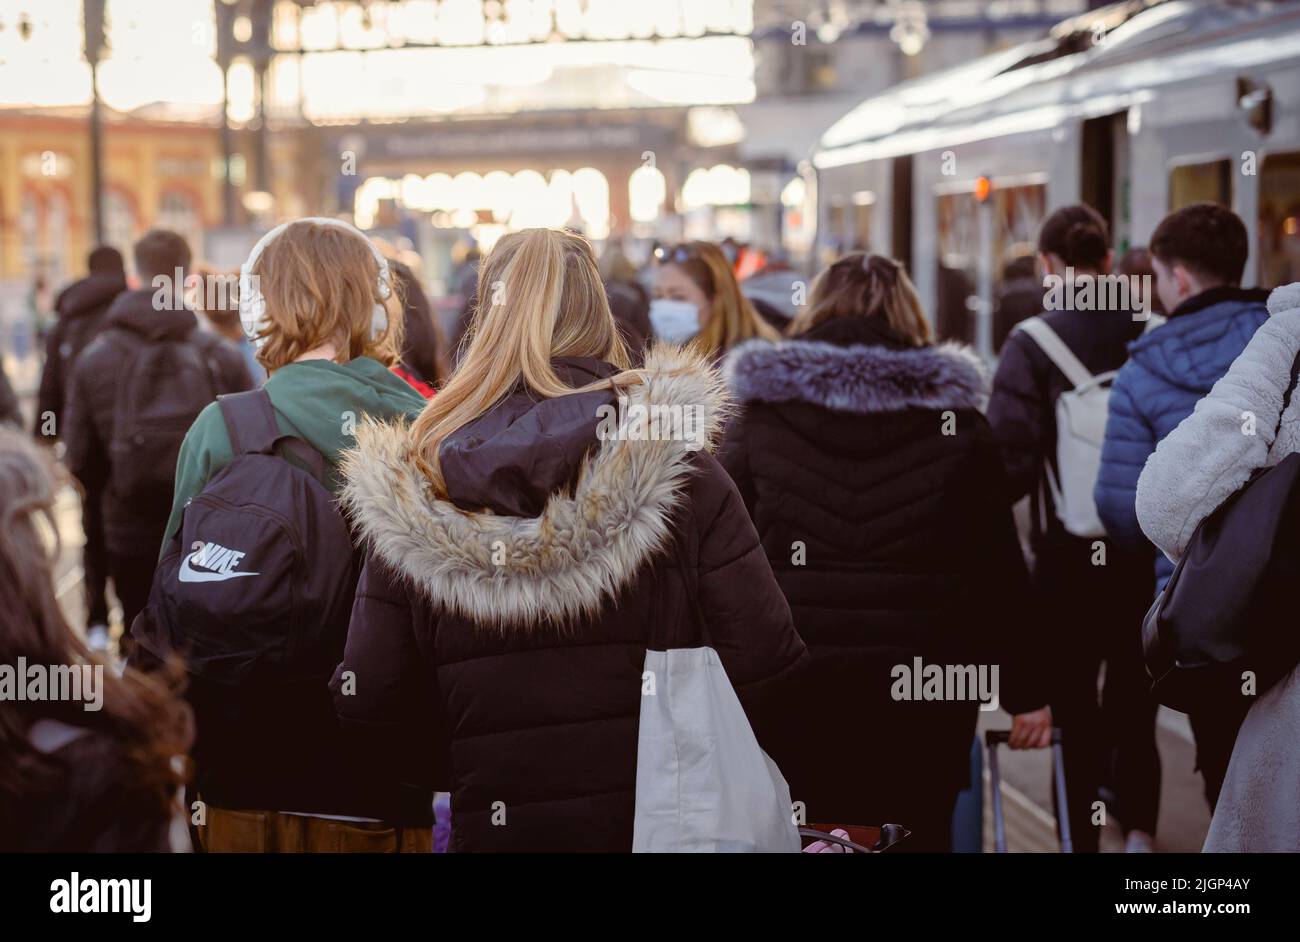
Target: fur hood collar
point(520, 572)
point(856, 378)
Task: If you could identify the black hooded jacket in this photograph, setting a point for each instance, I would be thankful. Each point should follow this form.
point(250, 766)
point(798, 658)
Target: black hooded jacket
point(875, 486)
point(499, 637)
point(92, 394)
point(81, 306)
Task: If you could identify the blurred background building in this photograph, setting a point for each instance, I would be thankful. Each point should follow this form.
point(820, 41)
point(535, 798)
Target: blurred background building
point(443, 119)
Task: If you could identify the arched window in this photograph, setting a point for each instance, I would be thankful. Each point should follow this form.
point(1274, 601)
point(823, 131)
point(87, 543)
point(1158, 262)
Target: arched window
point(29, 231)
point(56, 237)
point(178, 213)
point(120, 222)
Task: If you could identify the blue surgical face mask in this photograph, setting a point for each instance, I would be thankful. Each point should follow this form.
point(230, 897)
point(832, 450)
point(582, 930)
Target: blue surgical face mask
point(674, 321)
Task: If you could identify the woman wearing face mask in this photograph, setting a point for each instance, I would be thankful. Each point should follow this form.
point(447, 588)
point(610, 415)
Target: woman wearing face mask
point(697, 298)
point(875, 484)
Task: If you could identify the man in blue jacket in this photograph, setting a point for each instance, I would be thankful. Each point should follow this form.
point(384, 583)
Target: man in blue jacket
point(1198, 253)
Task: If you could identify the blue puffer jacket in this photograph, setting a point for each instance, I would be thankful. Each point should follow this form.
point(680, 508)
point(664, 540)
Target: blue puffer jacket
point(1169, 370)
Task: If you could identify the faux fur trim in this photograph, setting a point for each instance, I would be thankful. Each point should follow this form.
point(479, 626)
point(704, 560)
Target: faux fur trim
point(1284, 298)
point(518, 572)
point(856, 378)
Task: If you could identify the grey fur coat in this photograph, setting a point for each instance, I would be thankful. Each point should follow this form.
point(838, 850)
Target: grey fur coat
point(1193, 470)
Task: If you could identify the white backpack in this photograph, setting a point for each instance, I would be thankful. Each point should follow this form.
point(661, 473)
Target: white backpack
point(1080, 431)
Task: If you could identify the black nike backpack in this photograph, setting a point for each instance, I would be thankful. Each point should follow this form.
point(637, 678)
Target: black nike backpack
point(259, 581)
point(254, 596)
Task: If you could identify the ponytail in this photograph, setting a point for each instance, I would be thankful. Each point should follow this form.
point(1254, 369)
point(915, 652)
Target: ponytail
point(1078, 236)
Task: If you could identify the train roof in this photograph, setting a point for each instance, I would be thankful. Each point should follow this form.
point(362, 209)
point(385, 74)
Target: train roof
point(1145, 44)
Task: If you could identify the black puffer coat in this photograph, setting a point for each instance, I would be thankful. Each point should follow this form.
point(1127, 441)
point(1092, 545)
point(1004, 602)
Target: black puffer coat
point(131, 529)
point(498, 639)
point(876, 489)
point(81, 306)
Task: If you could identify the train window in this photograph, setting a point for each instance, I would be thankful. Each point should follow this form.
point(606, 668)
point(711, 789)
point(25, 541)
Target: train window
point(860, 240)
point(958, 261)
point(835, 230)
point(1018, 213)
point(1209, 182)
point(1279, 219)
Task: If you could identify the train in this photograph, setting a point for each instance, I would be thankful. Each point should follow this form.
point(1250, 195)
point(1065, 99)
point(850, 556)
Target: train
point(1137, 108)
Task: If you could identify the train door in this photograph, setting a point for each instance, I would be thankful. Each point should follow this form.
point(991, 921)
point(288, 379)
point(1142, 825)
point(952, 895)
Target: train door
point(1104, 174)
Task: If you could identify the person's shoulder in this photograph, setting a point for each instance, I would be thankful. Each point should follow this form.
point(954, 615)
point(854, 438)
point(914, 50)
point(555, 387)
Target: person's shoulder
point(101, 353)
point(208, 435)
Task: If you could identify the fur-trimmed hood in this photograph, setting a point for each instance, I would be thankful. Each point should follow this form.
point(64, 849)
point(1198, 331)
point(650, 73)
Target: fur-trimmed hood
point(861, 378)
point(587, 544)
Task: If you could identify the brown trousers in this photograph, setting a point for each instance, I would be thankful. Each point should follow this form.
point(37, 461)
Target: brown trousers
point(273, 832)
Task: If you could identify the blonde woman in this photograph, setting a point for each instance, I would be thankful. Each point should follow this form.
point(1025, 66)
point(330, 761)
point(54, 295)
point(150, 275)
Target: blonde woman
point(524, 553)
point(318, 301)
point(876, 488)
point(697, 299)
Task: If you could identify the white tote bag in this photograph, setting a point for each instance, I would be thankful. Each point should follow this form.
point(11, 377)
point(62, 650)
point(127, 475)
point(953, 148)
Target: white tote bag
point(703, 784)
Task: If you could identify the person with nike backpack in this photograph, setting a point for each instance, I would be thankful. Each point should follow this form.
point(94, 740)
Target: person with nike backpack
point(133, 393)
point(255, 584)
point(1048, 411)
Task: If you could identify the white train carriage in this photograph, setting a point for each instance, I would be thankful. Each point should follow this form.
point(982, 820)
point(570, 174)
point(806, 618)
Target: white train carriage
point(1136, 109)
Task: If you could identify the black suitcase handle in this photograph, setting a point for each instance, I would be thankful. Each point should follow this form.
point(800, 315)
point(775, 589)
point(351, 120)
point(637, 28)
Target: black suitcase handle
point(996, 737)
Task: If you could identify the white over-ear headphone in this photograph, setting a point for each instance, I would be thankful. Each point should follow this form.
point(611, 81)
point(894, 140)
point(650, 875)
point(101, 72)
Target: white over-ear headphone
point(252, 305)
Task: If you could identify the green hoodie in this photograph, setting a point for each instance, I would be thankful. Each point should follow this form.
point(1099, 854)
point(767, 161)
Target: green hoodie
point(318, 401)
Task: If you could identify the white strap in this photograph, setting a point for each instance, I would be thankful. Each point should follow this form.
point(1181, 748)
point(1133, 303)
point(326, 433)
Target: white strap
point(49, 736)
point(1050, 342)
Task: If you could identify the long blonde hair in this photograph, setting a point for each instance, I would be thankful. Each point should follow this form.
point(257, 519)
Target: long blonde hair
point(861, 285)
point(732, 317)
point(540, 296)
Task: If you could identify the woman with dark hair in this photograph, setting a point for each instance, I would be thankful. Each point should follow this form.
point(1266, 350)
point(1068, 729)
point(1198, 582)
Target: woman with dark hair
point(1092, 592)
point(97, 771)
point(866, 465)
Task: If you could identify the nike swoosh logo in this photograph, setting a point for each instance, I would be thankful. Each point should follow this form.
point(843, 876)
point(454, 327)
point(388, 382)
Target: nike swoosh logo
point(188, 574)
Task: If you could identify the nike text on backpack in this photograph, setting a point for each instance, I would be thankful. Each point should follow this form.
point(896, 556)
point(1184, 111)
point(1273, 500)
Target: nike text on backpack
point(162, 388)
point(703, 784)
point(1222, 632)
point(1080, 431)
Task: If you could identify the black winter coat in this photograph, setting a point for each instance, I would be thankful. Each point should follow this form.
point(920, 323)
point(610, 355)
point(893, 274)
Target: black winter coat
point(876, 489)
point(498, 639)
point(131, 530)
point(96, 805)
point(81, 306)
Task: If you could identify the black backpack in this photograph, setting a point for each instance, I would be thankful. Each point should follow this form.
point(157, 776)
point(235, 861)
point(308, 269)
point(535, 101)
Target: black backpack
point(1228, 606)
point(160, 391)
point(258, 583)
point(254, 594)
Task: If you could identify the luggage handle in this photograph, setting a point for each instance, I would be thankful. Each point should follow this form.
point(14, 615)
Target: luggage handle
point(890, 834)
point(996, 737)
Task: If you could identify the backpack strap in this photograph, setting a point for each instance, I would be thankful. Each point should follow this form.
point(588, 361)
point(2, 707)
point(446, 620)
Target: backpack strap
point(253, 430)
point(1050, 342)
point(1290, 391)
point(250, 421)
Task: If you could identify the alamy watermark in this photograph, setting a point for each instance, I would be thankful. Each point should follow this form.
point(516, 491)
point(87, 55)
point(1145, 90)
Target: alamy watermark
point(1099, 293)
point(218, 292)
point(653, 423)
point(66, 683)
point(919, 681)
